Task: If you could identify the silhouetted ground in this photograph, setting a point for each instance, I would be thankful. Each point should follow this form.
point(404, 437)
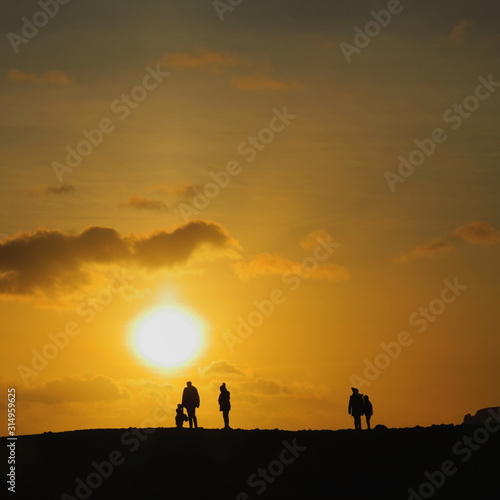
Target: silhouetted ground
point(249, 464)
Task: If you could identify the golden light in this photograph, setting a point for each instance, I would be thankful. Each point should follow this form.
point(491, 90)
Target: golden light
point(167, 337)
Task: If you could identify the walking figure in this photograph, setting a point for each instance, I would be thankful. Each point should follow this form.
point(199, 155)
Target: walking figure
point(191, 401)
point(355, 407)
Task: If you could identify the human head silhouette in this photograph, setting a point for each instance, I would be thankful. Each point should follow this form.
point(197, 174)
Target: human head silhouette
point(189, 383)
point(354, 390)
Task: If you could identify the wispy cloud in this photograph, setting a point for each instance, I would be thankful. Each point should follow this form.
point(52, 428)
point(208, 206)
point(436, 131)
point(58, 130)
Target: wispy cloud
point(259, 81)
point(141, 203)
point(435, 247)
point(474, 233)
point(267, 264)
point(76, 389)
point(54, 77)
point(200, 59)
point(460, 32)
point(477, 233)
point(220, 368)
point(44, 190)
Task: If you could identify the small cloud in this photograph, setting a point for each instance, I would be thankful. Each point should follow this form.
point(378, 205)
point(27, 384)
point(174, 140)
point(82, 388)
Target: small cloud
point(259, 81)
point(477, 233)
point(221, 368)
point(313, 239)
point(201, 59)
point(264, 386)
point(459, 32)
point(75, 389)
point(474, 233)
point(437, 246)
point(183, 191)
point(45, 78)
point(267, 264)
point(141, 203)
point(44, 190)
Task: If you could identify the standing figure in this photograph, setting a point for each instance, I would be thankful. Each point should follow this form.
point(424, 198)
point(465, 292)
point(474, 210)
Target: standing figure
point(356, 407)
point(224, 404)
point(191, 401)
point(368, 410)
point(180, 416)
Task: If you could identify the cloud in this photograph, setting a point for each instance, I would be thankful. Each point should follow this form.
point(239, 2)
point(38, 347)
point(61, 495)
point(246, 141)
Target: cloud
point(437, 246)
point(221, 368)
point(474, 233)
point(267, 264)
point(45, 78)
point(53, 262)
point(264, 386)
point(460, 32)
point(141, 203)
point(76, 389)
point(313, 239)
point(201, 59)
point(44, 190)
point(259, 81)
point(184, 191)
point(477, 233)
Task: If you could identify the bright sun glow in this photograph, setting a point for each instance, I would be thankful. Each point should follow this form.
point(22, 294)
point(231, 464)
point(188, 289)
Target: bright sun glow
point(167, 337)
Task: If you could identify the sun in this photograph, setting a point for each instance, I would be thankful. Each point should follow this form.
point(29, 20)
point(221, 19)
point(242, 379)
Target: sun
point(167, 337)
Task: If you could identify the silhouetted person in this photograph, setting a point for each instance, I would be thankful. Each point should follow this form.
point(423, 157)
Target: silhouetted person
point(367, 410)
point(224, 404)
point(356, 407)
point(180, 416)
point(191, 401)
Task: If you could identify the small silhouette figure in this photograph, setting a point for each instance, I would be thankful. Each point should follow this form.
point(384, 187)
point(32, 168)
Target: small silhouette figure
point(191, 401)
point(224, 404)
point(355, 407)
point(180, 416)
point(367, 410)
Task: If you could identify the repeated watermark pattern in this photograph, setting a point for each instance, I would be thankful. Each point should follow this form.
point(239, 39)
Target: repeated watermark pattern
point(264, 309)
point(31, 27)
point(249, 149)
point(454, 116)
point(121, 106)
point(419, 319)
point(119, 283)
point(464, 448)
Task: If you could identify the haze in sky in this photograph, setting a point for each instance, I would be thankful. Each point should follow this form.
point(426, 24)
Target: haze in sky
point(291, 197)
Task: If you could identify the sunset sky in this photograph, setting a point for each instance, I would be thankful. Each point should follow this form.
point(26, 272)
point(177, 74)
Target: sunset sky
point(266, 164)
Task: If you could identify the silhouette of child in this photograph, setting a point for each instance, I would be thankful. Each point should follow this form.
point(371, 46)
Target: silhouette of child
point(368, 410)
point(180, 416)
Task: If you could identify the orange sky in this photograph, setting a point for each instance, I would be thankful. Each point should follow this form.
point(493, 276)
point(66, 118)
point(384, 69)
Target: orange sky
point(324, 201)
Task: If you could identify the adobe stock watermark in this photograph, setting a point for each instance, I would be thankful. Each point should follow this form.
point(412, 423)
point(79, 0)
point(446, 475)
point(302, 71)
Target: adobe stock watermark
point(88, 309)
point(122, 106)
point(250, 149)
point(221, 7)
point(464, 448)
point(419, 319)
point(131, 439)
point(363, 37)
point(40, 19)
point(455, 117)
point(261, 479)
point(264, 309)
